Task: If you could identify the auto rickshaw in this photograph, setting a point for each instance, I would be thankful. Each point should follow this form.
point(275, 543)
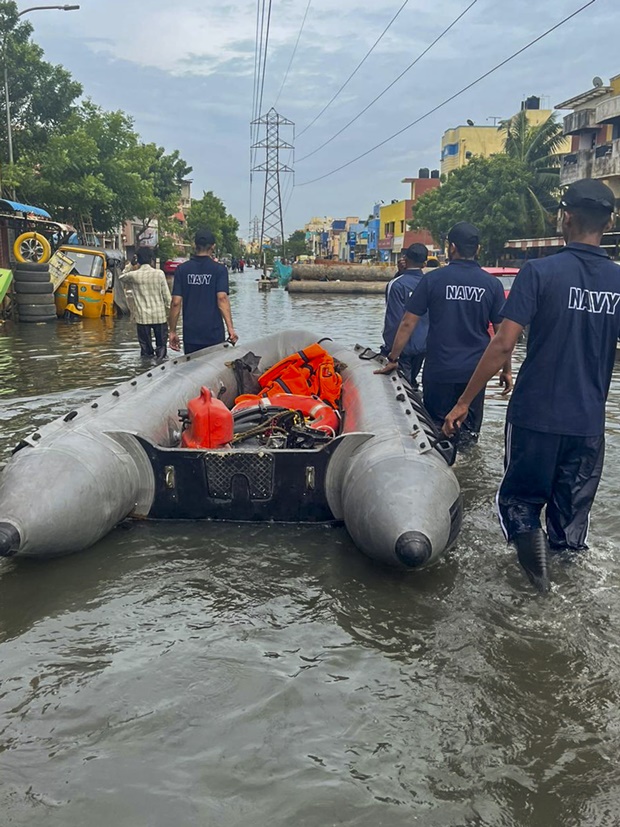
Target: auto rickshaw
point(84, 279)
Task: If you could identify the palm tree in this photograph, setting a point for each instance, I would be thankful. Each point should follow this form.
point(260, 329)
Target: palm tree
point(537, 148)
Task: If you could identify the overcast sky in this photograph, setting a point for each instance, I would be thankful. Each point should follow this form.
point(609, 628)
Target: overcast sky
point(184, 71)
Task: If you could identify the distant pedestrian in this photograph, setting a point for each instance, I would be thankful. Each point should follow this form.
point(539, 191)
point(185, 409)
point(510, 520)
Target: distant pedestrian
point(397, 293)
point(151, 302)
point(201, 290)
point(555, 422)
point(241, 265)
point(461, 301)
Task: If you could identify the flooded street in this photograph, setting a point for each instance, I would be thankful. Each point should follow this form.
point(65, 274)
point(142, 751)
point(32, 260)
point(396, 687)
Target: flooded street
point(209, 674)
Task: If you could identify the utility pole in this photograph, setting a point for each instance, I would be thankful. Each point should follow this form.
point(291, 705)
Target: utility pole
point(272, 224)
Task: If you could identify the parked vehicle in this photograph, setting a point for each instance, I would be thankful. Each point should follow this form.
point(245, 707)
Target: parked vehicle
point(84, 279)
point(505, 274)
point(171, 265)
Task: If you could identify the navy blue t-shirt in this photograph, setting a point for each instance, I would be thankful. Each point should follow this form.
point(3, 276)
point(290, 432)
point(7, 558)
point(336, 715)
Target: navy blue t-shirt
point(198, 281)
point(461, 300)
point(572, 303)
point(396, 294)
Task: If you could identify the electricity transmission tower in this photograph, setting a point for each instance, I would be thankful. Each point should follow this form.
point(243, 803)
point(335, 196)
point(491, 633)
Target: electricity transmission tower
point(254, 235)
point(272, 224)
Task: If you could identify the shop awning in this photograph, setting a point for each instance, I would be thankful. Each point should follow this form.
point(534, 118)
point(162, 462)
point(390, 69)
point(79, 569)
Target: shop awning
point(15, 206)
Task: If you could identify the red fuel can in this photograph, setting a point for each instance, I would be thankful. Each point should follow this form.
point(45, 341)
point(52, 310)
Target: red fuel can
point(210, 422)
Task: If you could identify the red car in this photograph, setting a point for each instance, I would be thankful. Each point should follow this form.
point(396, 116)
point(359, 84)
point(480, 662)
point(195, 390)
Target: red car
point(505, 274)
point(171, 265)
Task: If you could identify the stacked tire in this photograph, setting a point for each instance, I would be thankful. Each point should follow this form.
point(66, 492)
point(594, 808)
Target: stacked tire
point(34, 292)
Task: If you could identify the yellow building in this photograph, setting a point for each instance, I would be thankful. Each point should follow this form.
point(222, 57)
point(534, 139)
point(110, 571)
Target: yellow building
point(392, 227)
point(459, 145)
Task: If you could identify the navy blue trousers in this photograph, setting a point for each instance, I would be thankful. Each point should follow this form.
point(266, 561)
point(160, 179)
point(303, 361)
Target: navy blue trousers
point(559, 472)
point(441, 397)
point(411, 367)
point(145, 338)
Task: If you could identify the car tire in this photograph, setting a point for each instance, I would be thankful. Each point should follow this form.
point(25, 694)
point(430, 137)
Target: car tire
point(37, 319)
point(33, 266)
point(29, 300)
point(23, 277)
point(33, 287)
point(36, 309)
point(32, 247)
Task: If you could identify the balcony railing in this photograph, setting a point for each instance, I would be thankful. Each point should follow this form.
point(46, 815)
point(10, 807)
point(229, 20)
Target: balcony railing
point(583, 120)
point(606, 162)
point(608, 110)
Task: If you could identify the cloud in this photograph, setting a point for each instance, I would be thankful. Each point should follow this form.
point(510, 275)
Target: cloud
point(185, 71)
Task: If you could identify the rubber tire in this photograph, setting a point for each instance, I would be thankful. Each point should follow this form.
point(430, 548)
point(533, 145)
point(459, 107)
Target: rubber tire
point(24, 301)
point(33, 287)
point(40, 238)
point(36, 319)
point(31, 267)
point(36, 310)
point(29, 278)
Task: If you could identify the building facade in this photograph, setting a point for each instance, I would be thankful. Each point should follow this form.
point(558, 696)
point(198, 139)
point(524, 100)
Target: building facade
point(460, 144)
point(394, 218)
point(373, 229)
point(593, 127)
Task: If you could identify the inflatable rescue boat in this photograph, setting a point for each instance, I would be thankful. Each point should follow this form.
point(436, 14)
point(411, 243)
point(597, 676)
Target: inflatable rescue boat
point(269, 431)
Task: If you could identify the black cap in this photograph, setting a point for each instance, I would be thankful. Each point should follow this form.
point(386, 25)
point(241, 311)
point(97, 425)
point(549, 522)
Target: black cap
point(204, 238)
point(589, 193)
point(464, 234)
point(415, 252)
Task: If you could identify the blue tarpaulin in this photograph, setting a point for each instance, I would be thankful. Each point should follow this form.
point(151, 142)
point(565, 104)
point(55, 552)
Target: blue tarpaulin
point(15, 206)
point(283, 272)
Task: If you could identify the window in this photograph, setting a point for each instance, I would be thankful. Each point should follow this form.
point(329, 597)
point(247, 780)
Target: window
point(402, 227)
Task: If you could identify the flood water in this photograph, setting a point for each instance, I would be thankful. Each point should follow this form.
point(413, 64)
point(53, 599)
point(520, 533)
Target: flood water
point(202, 674)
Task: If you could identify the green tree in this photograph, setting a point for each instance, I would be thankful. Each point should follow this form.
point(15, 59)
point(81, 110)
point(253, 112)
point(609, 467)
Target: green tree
point(488, 192)
point(210, 213)
point(537, 148)
point(42, 95)
point(95, 169)
point(296, 244)
point(165, 172)
point(89, 171)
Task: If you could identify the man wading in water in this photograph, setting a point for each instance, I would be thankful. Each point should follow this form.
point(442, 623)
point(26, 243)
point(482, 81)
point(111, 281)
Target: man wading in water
point(398, 291)
point(461, 301)
point(201, 289)
point(152, 302)
point(556, 417)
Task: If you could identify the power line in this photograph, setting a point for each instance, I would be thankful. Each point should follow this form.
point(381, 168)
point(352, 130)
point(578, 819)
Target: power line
point(257, 61)
point(262, 87)
point(260, 63)
point(355, 71)
point(452, 97)
point(387, 88)
point(290, 63)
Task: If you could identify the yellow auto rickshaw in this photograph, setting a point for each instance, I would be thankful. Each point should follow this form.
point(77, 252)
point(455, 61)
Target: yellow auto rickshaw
point(84, 279)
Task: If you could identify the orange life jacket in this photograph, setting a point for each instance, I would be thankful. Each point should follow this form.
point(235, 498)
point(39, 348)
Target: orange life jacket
point(309, 372)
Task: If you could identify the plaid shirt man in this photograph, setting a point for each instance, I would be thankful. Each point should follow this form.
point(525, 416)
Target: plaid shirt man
point(150, 293)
